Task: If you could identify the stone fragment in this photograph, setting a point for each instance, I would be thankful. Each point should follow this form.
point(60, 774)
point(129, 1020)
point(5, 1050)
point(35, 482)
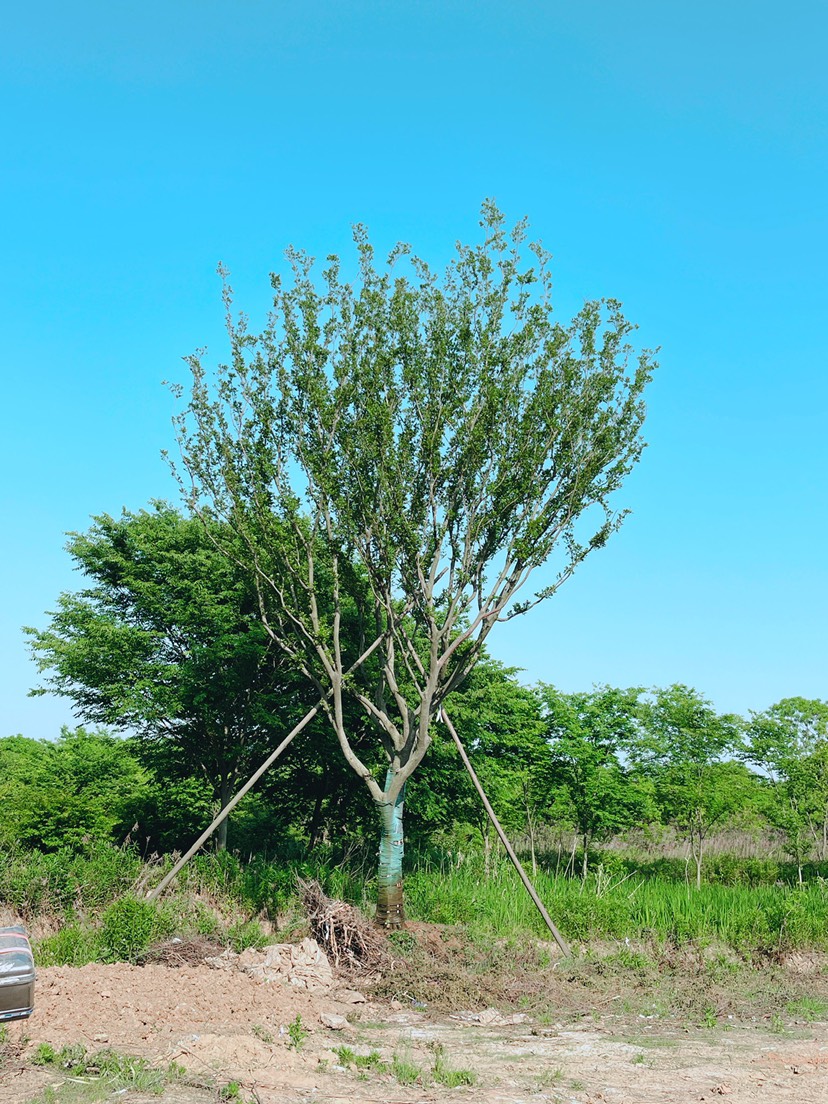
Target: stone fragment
point(349, 996)
point(334, 1022)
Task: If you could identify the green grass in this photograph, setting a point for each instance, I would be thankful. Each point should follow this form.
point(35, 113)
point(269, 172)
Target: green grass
point(614, 903)
point(405, 1071)
point(35, 883)
point(98, 1076)
point(762, 919)
point(447, 1075)
point(809, 1009)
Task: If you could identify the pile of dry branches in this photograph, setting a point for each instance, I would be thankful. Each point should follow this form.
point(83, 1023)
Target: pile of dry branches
point(348, 938)
point(181, 952)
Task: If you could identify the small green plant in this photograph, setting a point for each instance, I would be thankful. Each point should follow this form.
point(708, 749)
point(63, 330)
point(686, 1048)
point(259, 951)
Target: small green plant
point(404, 1071)
point(297, 1033)
point(44, 1055)
point(72, 1057)
point(362, 1062)
point(443, 1074)
point(369, 1061)
point(230, 1091)
point(548, 1078)
point(402, 942)
point(262, 1033)
point(576, 1085)
point(809, 1009)
point(709, 1018)
point(73, 945)
point(248, 933)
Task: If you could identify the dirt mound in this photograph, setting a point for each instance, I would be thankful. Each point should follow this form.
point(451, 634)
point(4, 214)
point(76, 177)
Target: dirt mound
point(125, 1006)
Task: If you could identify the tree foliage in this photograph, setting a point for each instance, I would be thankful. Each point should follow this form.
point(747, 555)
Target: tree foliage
point(588, 734)
point(166, 642)
point(686, 747)
point(789, 741)
point(440, 439)
point(85, 786)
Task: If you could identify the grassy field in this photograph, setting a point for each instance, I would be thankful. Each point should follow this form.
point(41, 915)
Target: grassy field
point(93, 903)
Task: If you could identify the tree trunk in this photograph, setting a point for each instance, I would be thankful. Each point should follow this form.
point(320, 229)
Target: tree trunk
point(571, 861)
point(530, 828)
point(585, 858)
point(225, 793)
point(316, 818)
point(390, 913)
point(697, 847)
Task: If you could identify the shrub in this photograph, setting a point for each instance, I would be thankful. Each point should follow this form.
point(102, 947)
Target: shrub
point(73, 945)
point(129, 926)
point(246, 934)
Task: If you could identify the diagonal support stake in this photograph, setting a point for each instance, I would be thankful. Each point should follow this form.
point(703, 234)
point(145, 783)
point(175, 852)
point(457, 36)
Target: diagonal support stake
point(251, 782)
point(547, 919)
point(232, 803)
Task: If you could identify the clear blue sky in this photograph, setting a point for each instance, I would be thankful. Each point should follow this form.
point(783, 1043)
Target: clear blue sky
point(671, 155)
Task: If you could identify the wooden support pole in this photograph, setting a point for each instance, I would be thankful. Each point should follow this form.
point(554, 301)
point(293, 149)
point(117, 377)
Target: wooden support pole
point(232, 803)
point(559, 939)
point(251, 782)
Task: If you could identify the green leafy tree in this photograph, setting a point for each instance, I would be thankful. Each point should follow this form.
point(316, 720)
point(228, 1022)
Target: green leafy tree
point(83, 787)
point(166, 641)
point(684, 748)
point(789, 742)
point(502, 726)
point(438, 438)
point(587, 734)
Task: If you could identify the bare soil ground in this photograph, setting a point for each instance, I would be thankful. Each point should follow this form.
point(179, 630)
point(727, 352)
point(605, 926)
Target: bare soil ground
point(224, 1026)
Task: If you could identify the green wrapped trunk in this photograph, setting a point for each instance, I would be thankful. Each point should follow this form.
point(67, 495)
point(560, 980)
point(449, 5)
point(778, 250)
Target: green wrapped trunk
point(390, 913)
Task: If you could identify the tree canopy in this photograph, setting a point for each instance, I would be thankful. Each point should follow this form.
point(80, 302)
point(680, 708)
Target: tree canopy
point(588, 733)
point(687, 748)
point(440, 438)
point(789, 741)
point(166, 642)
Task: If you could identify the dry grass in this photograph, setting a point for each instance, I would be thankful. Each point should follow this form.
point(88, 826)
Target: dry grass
point(447, 972)
point(181, 952)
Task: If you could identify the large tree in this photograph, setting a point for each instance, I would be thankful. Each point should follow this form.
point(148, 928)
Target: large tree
point(587, 771)
point(442, 438)
point(789, 741)
point(687, 748)
point(84, 786)
point(166, 641)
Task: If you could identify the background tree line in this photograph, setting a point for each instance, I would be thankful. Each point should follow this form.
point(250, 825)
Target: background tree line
point(165, 646)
